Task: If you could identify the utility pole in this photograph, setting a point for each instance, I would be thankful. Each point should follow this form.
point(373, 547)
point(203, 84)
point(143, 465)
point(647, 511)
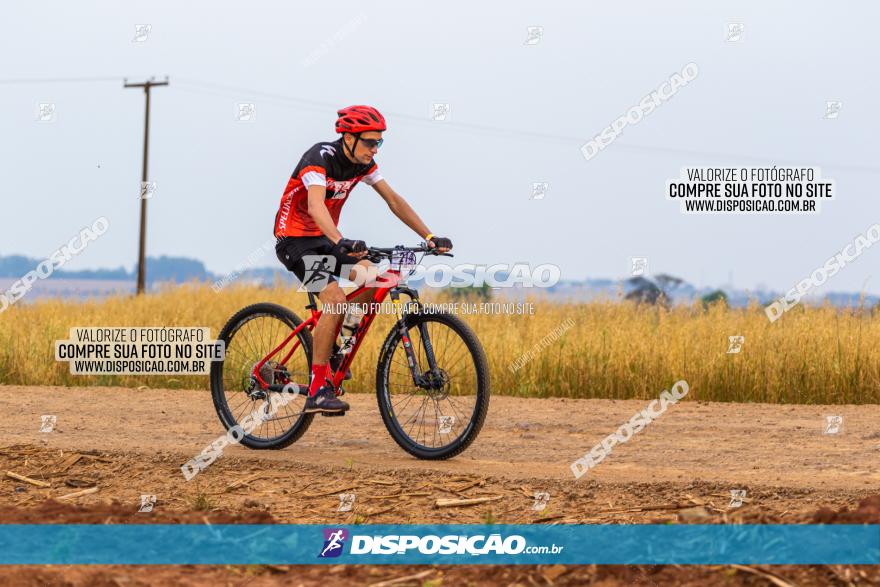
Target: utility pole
point(143, 233)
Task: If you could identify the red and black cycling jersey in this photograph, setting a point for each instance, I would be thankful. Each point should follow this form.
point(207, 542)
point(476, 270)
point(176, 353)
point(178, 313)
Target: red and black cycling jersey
point(324, 164)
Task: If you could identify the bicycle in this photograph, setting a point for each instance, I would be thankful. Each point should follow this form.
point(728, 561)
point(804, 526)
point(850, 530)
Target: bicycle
point(451, 400)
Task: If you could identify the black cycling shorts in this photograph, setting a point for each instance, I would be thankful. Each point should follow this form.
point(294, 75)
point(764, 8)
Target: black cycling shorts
point(291, 251)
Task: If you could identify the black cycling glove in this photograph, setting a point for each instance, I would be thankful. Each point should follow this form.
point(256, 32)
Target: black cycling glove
point(440, 241)
point(346, 246)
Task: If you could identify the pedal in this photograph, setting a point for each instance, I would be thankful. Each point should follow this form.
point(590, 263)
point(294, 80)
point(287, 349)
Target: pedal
point(332, 414)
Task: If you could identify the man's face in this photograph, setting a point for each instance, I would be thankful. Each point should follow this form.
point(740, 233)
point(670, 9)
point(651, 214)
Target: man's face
point(362, 153)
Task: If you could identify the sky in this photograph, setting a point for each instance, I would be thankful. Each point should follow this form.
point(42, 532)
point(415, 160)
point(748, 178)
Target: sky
point(519, 113)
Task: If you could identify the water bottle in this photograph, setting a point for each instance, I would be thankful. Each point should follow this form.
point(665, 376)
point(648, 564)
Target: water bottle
point(347, 332)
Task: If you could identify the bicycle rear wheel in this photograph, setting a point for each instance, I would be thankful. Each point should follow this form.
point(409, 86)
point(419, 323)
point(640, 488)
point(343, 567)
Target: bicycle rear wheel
point(250, 335)
point(441, 417)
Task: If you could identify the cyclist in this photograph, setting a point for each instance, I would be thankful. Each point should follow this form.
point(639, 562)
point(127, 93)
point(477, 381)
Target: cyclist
point(306, 229)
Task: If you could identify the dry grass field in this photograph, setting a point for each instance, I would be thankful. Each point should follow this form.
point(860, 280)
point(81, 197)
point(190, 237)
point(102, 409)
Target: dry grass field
point(578, 350)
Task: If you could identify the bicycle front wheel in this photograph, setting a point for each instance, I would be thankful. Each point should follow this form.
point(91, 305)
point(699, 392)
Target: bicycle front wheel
point(440, 415)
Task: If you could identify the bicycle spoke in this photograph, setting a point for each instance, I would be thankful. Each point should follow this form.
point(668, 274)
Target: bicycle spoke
point(438, 419)
point(250, 344)
point(405, 403)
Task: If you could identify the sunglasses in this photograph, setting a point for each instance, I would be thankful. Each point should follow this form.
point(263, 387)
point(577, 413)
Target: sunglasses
point(370, 143)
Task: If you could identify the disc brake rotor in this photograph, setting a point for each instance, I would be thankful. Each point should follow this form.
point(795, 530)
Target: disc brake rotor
point(436, 384)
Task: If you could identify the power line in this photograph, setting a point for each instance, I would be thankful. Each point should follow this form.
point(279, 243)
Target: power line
point(60, 80)
point(316, 105)
point(180, 87)
point(322, 106)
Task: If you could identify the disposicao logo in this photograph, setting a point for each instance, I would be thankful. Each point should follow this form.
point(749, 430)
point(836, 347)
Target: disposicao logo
point(442, 545)
point(405, 544)
point(334, 541)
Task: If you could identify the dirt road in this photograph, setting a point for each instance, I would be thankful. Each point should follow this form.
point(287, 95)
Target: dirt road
point(681, 468)
point(755, 446)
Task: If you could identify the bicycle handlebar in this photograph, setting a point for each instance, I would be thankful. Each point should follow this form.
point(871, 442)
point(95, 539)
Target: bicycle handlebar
point(421, 248)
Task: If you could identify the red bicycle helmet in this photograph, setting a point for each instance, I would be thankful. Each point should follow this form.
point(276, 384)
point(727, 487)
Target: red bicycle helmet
point(358, 119)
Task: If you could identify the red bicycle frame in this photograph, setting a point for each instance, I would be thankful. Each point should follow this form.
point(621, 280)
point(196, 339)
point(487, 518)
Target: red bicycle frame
point(389, 281)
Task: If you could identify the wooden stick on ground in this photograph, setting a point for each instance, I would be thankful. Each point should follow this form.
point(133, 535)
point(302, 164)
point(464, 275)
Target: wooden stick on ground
point(334, 492)
point(649, 508)
point(396, 495)
point(773, 578)
point(386, 510)
point(80, 493)
point(306, 486)
point(405, 579)
point(548, 518)
point(235, 484)
point(446, 489)
point(67, 463)
point(467, 486)
point(451, 503)
point(27, 479)
point(97, 458)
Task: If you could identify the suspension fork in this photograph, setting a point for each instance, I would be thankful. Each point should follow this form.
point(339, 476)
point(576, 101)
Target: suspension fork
point(404, 336)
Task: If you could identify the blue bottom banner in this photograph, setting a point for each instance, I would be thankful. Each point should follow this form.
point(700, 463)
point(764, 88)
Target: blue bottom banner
point(164, 544)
